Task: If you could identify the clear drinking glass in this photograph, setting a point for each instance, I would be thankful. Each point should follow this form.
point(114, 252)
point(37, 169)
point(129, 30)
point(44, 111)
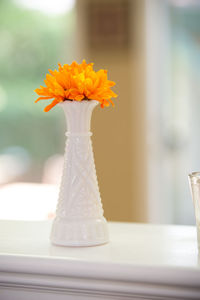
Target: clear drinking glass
point(194, 179)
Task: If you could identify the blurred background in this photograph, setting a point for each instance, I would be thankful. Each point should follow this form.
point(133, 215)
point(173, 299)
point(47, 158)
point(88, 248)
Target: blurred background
point(145, 147)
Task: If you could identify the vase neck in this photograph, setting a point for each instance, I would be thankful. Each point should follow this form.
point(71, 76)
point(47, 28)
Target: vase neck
point(78, 116)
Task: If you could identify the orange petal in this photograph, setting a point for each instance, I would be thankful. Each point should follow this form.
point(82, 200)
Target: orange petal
point(40, 91)
point(79, 97)
point(111, 83)
point(42, 98)
point(53, 103)
point(111, 102)
point(102, 103)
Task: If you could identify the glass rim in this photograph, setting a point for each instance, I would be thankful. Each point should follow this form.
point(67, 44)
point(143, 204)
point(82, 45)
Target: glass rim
point(194, 174)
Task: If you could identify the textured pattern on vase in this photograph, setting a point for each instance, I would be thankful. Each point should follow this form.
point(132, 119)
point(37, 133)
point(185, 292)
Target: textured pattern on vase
point(79, 182)
point(85, 233)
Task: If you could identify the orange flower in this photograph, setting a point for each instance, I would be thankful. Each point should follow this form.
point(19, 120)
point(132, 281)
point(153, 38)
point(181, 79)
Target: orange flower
point(76, 82)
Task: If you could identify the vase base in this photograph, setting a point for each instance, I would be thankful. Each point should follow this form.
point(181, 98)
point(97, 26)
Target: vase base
point(78, 243)
point(79, 233)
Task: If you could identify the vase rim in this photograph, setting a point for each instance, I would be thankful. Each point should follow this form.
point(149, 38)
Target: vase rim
point(82, 101)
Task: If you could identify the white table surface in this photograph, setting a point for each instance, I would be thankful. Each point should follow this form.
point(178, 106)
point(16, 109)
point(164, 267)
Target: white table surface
point(140, 262)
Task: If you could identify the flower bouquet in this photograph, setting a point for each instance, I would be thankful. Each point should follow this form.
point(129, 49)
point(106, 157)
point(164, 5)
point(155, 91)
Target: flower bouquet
point(77, 88)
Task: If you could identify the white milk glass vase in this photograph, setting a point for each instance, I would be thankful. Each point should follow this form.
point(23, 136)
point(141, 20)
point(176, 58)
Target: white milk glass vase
point(79, 217)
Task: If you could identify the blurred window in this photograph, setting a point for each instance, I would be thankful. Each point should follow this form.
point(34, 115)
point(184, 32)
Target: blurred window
point(35, 35)
point(173, 43)
point(182, 131)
